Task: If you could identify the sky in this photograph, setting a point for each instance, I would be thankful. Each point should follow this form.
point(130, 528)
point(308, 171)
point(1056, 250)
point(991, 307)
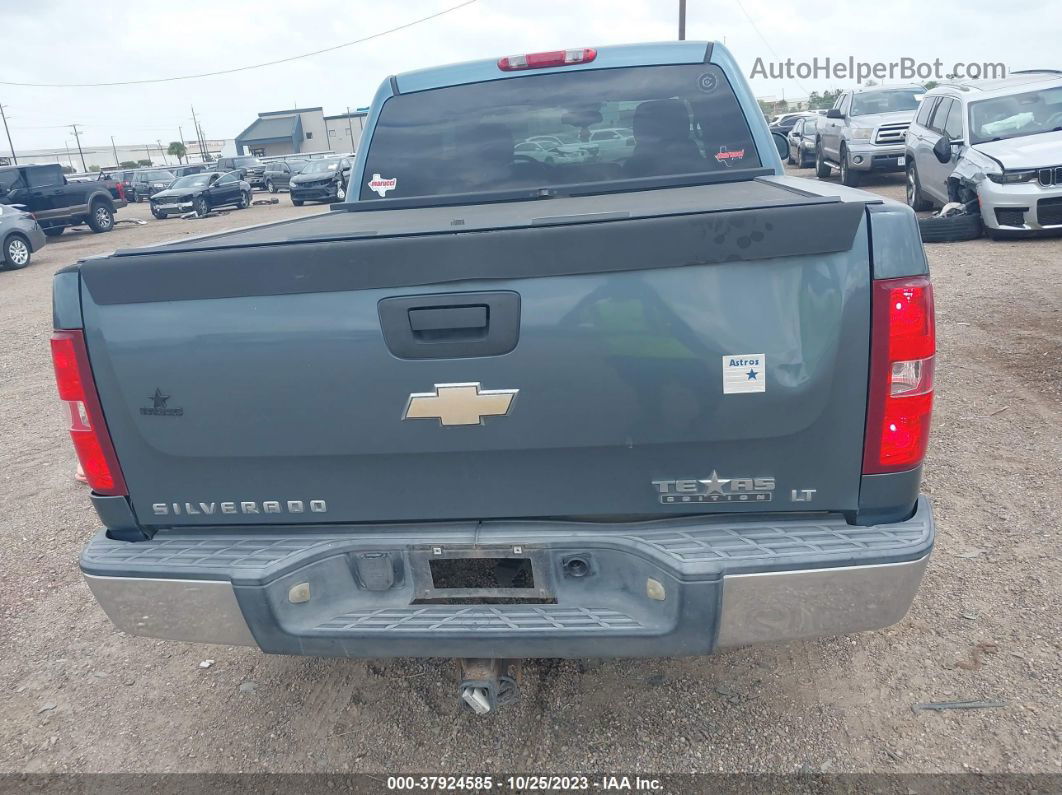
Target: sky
point(55, 41)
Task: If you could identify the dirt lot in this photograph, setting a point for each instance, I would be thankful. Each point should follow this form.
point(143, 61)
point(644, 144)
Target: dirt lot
point(75, 695)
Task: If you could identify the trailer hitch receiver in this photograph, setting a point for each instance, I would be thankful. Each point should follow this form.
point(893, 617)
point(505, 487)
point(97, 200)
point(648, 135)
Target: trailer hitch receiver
point(487, 684)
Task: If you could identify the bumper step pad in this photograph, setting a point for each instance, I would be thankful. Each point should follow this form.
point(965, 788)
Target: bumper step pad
point(679, 586)
point(480, 618)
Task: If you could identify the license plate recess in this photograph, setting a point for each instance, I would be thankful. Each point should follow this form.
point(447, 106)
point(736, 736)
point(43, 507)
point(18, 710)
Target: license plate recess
point(478, 572)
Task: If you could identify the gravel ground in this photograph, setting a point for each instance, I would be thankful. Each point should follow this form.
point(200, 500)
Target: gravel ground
point(75, 695)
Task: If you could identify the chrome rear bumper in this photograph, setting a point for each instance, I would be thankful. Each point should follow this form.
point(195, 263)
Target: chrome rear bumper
point(204, 611)
point(681, 586)
point(761, 608)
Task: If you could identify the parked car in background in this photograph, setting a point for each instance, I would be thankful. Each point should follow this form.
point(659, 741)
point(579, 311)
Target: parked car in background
point(279, 173)
point(124, 177)
point(56, 203)
point(803, 138)
point(552, 140)
point(149, 181)
point(784, 123)
point(191, 168)
point(202, 193)
point(548, 153)
point(613, 144)
point(20, 237)
point(864, 131)
point(116, 188)
point(572, 149)
point(249, 167)
point(995, 145)
point(322, 180)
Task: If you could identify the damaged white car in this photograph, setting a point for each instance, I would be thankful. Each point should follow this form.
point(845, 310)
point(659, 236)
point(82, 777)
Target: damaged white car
point(990, 153)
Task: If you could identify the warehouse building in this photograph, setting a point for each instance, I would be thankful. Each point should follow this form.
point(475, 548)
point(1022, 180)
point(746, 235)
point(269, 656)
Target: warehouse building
point(301, 131)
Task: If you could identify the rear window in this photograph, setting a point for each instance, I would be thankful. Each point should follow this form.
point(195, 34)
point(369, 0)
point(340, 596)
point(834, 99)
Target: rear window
point(10, 179)
point(538, 131)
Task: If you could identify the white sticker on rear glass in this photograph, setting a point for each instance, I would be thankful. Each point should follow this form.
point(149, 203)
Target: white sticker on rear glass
point(382, 185)
point(744, 372)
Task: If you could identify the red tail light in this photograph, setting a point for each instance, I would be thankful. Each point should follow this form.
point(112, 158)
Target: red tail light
point(902, 354)
point(92, 442)
point(543, 60)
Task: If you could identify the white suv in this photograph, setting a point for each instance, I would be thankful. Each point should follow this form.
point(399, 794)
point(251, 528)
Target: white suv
point(997, 142)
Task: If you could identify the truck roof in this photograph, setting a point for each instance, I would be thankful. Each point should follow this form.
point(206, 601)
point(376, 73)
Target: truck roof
point(12, 167)
point(1015, 83)
point(613, 57)
point(896, 87)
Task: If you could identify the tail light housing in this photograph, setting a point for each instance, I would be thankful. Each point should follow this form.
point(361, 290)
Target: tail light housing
point(902, 359)
point(88, 430)
point(544, 60)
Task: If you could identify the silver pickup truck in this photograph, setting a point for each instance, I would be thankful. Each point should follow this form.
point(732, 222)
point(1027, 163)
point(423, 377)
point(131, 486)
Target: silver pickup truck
point(495, 408)
point(864, 131)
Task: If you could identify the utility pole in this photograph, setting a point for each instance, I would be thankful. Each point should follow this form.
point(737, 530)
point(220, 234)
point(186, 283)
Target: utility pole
point(203, 140)
point(199, 136)
point(162, 152)
point(351, 128)
point(79, 151)
point(115, 150)
point(69, 158)
point(180, 137)
point(682, 20)
point(10, 145)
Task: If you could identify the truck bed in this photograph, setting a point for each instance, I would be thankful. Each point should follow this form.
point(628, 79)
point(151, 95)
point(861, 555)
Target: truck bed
point(256, 261)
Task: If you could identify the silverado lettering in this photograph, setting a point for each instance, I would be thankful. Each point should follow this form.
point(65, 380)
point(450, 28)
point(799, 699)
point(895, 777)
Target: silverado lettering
point(233, 507)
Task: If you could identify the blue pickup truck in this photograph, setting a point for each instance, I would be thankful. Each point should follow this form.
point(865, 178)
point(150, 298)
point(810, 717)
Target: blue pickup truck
point(494, 406)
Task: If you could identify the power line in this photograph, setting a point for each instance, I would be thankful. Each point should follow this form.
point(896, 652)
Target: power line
point(42, 126)
point(764, 40)
point(245, 68)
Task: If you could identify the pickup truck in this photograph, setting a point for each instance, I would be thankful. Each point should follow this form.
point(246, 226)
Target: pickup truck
point(252, 170)
point(491, 408)
point(864, 131)
point(57, 203)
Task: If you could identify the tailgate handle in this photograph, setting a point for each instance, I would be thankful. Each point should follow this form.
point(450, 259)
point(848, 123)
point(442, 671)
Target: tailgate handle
point(449, 318)
point(450, 325)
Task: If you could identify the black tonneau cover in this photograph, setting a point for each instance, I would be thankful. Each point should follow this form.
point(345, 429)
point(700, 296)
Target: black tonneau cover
point(749, 194)
point(752, 220)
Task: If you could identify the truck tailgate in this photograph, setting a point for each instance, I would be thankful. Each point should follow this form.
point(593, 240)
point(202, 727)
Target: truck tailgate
point(577, 357)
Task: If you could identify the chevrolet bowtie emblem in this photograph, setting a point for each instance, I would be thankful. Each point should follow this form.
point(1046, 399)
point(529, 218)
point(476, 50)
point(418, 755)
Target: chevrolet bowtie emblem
point(459, 404)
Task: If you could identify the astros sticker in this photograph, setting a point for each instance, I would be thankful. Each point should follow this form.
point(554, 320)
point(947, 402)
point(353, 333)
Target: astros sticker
point(382, 185)
point(744, 373)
